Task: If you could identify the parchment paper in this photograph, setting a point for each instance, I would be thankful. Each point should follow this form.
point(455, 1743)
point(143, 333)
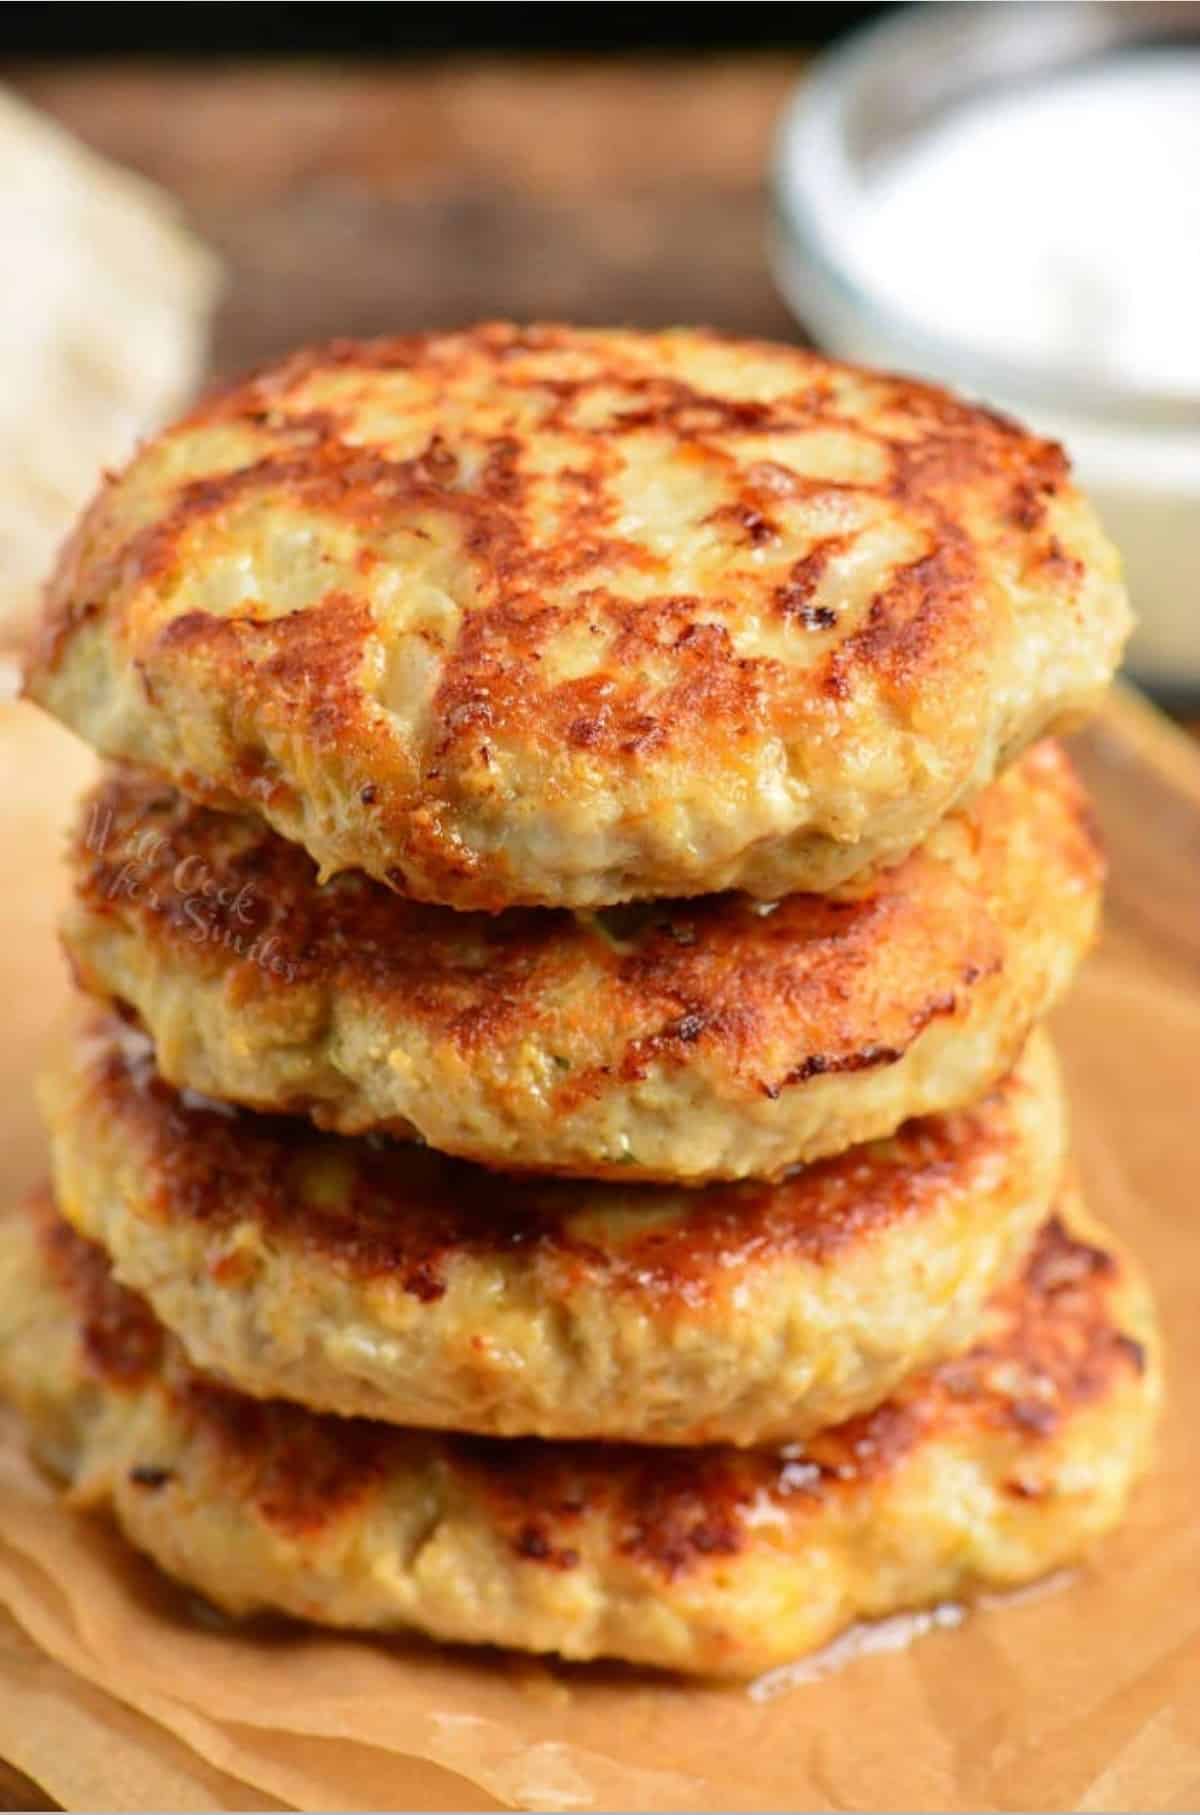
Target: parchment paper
point(77, 1738)
point(1085, 1695)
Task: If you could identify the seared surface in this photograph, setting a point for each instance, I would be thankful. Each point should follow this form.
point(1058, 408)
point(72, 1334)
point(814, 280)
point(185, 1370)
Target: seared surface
point(687, 1040)
point(367, 1277)
point(986, 1471)
point(543, 616)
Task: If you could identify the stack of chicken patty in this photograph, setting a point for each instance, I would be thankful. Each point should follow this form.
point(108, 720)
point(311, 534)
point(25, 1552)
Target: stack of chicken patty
point(555, 1146)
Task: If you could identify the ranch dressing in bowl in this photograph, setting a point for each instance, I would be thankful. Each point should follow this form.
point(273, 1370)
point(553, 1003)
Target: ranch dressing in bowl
point(1035, 240)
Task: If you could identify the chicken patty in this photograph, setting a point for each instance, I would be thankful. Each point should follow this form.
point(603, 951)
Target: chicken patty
point(374, 1278)
point(556, 617)
point(985, 1472)
point(683, 1041)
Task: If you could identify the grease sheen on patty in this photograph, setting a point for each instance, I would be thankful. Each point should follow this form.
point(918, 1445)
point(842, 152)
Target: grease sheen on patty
point(362, 1277)
point(689, 1040)
point(987, 1471)
point(548, 616)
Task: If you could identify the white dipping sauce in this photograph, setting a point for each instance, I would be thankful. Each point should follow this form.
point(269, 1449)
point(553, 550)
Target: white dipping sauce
point(1056, 227)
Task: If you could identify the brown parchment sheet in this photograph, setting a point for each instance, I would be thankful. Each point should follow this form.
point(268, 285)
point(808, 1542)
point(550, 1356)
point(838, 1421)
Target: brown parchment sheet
point(1084, 1694)
point(77, 1738)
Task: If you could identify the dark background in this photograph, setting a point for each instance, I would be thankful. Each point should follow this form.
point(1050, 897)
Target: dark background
point(222, 30)
point(375, 169)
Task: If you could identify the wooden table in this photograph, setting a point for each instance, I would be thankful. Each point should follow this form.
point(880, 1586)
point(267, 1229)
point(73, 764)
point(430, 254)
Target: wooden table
point(350, 201)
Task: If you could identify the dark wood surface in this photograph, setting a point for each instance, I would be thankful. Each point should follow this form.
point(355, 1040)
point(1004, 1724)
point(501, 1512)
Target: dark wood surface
point(359, 201)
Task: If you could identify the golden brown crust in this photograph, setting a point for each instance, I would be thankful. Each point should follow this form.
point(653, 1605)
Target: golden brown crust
point(464, 610)
point(531, 1039)
point(119, 1337)
point(373, 1208)
point(992, 1467)
point(1051, 1347)
point(308, 1473)
point(364, 1277)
